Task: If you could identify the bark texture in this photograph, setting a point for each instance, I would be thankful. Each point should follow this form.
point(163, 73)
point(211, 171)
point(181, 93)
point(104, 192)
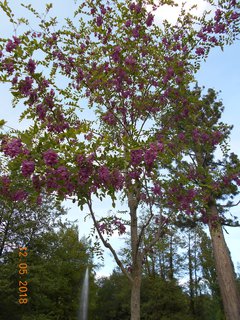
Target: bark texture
point(224, 268)
point(135, 293)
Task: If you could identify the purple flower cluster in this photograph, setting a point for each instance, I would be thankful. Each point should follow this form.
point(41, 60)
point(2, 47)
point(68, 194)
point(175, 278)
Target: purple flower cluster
point(109, 118)
point(13, 148)
point(104, 174)
point(41, 112)
point(136, 157)
point(59, 179)
point(156, 189)
point(31, 66)
point(25, 86)
point(200, 51)
point(149, 20)
point(12, 45)
point(50, 157)
point(99, 21)
point(130, 60)
point(116, 54)
point(117, 180)
point(19, 195)
point(28, 167)
point(120, 226)
point(135, 7)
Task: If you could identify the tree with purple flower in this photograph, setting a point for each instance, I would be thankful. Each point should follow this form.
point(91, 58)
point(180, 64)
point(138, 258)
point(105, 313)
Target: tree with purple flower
point(131, 72)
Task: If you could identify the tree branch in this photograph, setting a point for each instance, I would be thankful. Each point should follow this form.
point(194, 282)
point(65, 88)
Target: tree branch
point(107, 244)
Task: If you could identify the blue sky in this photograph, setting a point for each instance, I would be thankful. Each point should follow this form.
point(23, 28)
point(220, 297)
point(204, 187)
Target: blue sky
point(221, 72)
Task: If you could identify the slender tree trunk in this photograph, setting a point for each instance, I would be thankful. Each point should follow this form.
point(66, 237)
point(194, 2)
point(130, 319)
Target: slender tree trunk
point(224, 268)
point(135, 291)
point(171, 271)
point(136, 258)
point(190, 272)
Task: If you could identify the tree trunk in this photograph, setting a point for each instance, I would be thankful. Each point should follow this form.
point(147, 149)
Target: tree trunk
point(190, 272)
point(224, 268)
point(171, 269)
point(136, 258)
point(135, 292)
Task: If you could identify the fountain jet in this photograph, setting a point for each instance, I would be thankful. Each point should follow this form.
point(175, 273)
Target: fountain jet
point(83, 312)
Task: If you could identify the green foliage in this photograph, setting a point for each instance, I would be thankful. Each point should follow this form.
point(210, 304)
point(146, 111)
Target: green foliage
point(113, 296)
point(56, 265)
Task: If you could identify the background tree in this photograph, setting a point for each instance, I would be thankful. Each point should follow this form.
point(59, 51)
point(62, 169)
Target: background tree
point(56, 266)
point(204, 182)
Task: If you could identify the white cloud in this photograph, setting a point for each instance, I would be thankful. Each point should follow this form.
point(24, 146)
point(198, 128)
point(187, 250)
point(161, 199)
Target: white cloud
point(171, 13)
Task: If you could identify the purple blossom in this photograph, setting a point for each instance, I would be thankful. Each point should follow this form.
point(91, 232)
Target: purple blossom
point(4, 185)
point(15, 80)
point(11, 45)
point(170, 72)
point(49, 101)
point(156, 189)
point(200, 51)
point(130, 60)
point(13, 148)
point(31, 66)
point(116, 54)
point(218, 15)
point(128, 23)
point(62, 172)
point(109, 118)
point(219, 27)
point(28, 167)
point(104, 174)
point(19, 195)
point(205, 137)
point(235, 15)
point(134, 174)
point(165, 42)
point(135, 32)
point(150, 156)
point(196, 135)
point(117, 179)
point(5, 181)
point(58, 125)
point(132, 6)
point(213, 40)
point(25, 86)
point(9, 66)
point(103, 9)
point(50, 157)
point(41, 111)
point(149, 20)
point(202, 36)
point(181, 136)
point(136, 157)
point(99, 21)
point(84, 174)
point(137, 8)
point(17, 41)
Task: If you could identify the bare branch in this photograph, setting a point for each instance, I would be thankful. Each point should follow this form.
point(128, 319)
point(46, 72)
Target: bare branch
point(229, 205)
